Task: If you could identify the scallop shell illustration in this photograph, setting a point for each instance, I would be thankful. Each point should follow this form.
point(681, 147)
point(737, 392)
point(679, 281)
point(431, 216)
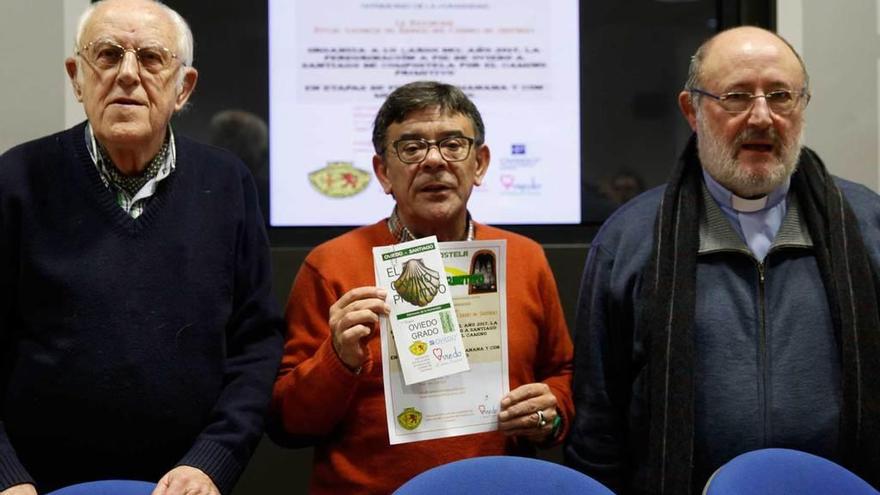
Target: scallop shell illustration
point(418, 284)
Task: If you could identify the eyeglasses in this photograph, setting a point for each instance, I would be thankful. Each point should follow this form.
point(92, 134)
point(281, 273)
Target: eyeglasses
point(105, 55)
point(781, 102)
point(452, 149)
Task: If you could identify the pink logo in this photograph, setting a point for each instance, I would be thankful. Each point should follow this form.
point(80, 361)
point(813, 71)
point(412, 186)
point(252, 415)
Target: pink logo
point(507, 180)
point(438, 353)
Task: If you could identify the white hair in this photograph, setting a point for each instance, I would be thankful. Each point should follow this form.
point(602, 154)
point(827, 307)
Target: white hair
point(184, 34)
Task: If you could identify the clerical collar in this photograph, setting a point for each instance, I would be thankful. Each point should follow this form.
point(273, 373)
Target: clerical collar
point(403, 234)
point(726, 198)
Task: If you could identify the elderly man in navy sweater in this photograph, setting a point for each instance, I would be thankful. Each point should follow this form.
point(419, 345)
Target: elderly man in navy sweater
point(138, 335)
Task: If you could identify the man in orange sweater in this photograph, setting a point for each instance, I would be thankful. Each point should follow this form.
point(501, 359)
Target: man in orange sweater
point(430, 154)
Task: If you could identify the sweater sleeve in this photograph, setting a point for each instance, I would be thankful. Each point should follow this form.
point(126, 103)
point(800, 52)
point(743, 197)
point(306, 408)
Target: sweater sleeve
point(314, 388)
point(253, 348)
point(12, 472)
point(554, 358)
point(597, 443)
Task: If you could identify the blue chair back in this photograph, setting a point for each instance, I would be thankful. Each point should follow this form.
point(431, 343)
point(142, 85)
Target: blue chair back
point(503, 475)
point(107, 487)
point(783, 471)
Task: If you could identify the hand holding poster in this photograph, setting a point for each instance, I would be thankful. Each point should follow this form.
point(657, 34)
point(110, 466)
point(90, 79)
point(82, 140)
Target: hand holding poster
point(466, 402)
point(423, 321)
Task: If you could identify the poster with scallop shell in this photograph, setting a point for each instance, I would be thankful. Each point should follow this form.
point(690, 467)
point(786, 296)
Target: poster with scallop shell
point(421, 310)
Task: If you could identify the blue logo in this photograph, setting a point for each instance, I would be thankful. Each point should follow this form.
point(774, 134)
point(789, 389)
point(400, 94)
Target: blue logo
point(518, 149)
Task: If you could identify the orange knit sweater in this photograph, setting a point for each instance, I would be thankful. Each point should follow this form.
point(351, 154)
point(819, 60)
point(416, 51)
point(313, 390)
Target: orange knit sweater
point(317, 396)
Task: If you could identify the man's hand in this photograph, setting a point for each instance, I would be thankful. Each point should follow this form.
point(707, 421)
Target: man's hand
point(26, 489)
point(185, 480)
point(519, 412)
point(352, 319)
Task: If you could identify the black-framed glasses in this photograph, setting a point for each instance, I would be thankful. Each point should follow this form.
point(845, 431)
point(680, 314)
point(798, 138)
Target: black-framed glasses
point(106, 55)
point(780, 101)
point(452, 148)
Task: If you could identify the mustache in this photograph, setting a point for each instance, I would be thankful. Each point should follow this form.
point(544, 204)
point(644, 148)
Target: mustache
point(437, 178)
point(768, 134)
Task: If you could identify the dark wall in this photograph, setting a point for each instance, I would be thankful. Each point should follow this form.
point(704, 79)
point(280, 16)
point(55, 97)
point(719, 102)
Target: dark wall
point(232, 57)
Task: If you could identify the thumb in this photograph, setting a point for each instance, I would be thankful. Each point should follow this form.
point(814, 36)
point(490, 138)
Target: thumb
point(161, 486)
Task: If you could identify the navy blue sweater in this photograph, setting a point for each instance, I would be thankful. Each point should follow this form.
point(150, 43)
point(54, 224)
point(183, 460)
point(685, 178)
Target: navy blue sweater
point(128, 346)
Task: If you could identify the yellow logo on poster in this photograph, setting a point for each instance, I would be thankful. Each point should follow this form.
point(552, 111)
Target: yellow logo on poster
point(339, 180)
point(410, 418)
point(418, 348)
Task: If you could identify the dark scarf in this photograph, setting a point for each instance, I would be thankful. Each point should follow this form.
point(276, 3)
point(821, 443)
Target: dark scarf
point(668, 289)
point(132, 184)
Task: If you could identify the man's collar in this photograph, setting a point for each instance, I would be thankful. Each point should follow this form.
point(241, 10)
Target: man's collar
point(160, 167)
point(95, 148)
point(403, 234)
point(728, 199)
point(716, 233)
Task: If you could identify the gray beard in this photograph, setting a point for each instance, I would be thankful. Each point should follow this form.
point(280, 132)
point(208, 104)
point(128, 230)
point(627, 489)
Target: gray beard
point(721, 162)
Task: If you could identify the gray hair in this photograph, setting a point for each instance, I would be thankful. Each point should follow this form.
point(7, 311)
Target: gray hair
point(184, 34)
point(695, 69)
point(420, 95)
